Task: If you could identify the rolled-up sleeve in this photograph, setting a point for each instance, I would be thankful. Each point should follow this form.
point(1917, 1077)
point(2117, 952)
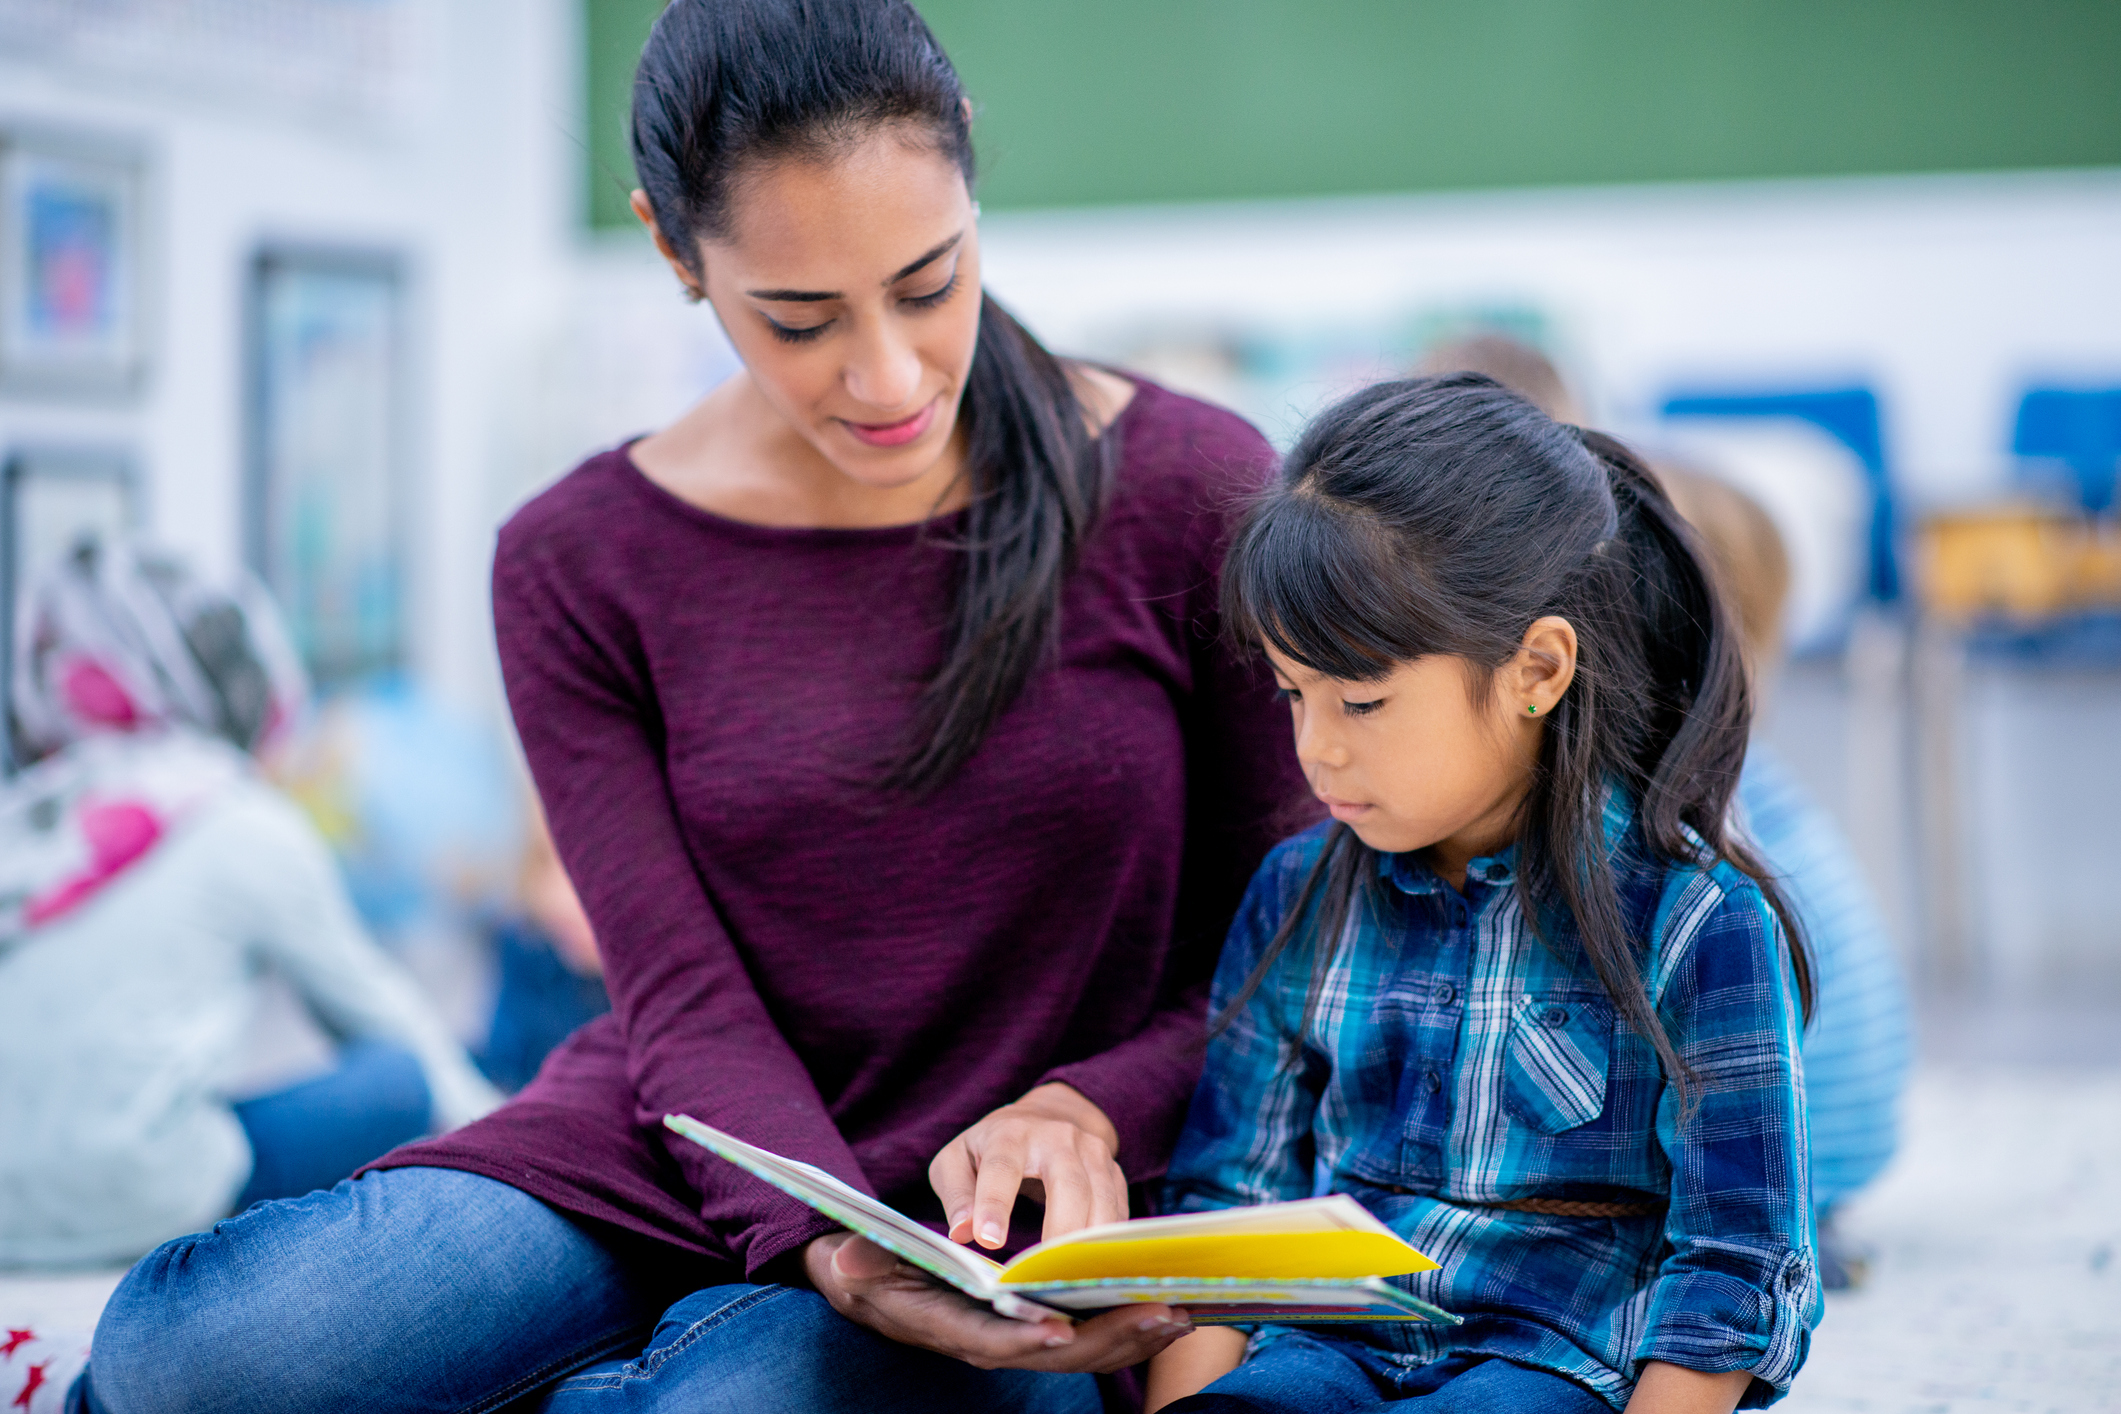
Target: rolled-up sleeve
point(1739, 1289)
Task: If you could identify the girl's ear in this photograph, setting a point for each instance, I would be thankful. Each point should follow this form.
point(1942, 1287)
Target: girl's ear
point(1535, 680)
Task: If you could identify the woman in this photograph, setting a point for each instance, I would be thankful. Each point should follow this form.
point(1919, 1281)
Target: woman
point(147, 876)
point(879, 712)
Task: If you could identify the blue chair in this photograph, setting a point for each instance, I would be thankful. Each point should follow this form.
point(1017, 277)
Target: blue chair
point(1849, 416)
point(2079, 427)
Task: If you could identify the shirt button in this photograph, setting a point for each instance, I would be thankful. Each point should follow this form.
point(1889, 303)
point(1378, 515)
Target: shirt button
point(1445, 994)
point(1431, 1081)
point(1556, 1017)
point(1497, 873)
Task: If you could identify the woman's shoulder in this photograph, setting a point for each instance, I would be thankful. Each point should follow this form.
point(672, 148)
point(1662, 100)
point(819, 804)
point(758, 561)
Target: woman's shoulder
point(575, 512)
point(1173, 444)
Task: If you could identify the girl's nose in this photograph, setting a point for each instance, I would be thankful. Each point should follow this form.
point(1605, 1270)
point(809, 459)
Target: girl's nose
point(885, 373)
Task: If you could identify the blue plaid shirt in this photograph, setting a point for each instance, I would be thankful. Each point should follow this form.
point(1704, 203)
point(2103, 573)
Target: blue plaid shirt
point(1454, 1061)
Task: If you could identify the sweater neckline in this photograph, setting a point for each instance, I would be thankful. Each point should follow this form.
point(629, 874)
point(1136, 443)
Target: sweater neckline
point(668, 500)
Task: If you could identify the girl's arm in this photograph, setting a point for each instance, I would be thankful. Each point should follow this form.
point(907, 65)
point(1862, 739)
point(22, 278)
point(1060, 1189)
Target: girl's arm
point(1190, 1365)
point(1666, 1389)
point(1738, 1292)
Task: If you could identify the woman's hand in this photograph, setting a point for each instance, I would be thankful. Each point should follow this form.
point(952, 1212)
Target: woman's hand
point(868, 1285)
point(1052, 1145)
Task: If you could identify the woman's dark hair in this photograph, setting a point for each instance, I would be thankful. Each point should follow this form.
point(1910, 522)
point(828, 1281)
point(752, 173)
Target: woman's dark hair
point(726, 85)
point(1445, 515)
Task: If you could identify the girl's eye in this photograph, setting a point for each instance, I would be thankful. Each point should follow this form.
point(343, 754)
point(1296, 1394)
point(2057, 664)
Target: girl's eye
point(788, 335)
point(1287, 695)
point(930, 301)
point(1362, 709)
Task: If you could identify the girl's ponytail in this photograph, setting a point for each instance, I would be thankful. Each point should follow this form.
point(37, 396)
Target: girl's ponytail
point(1702, 702)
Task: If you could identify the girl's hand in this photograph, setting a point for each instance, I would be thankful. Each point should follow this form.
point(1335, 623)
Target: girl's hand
point(868, 1285)
point(1054, 1146)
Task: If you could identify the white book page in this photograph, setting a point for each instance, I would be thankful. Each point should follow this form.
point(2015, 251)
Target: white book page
point(888, 1228)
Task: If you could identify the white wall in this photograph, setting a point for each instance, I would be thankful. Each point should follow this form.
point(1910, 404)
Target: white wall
point(471, 175)
point(1944, 293)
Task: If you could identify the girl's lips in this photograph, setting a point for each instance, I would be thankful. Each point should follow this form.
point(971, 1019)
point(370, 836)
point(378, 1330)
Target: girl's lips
point(1342, 809)
point(894, 434)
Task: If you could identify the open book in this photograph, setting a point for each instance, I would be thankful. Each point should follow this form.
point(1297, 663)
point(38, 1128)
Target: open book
point(1321, 1259)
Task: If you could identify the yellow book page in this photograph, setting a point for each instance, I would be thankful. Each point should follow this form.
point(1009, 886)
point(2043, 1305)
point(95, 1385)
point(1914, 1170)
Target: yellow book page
point(1269, 1256)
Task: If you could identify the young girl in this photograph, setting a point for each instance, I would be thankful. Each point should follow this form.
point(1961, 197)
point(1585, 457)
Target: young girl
point(1525, 997)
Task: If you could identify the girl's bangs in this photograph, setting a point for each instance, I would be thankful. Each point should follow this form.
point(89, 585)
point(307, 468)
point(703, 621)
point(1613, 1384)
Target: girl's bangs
point(1317, 584)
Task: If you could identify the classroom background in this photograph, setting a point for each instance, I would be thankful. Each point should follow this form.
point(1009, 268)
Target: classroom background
point(326, 287)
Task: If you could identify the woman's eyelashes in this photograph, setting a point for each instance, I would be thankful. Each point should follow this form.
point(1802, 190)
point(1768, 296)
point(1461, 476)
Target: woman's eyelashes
point(804, 333)
point(794, 335)
point(1361, 709)
point(934, 297)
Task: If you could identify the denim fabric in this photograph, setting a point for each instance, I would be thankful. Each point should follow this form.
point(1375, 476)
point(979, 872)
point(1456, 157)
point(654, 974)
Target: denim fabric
point(309, 1136)
point(744, 1349)
point(423, 1289)
point(1303, 1372)
point(1454, 1060)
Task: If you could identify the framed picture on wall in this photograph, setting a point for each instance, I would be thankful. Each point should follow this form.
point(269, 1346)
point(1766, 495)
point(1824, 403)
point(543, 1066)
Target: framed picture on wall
point(70, 267)
point(325, 515)
point(50, 498)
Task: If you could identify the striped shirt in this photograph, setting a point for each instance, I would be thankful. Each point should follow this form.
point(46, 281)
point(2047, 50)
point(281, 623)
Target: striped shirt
point(1454, 1061)
point(1857, 1049)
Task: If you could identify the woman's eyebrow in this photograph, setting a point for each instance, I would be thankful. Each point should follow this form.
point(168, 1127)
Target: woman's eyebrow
point(814, 296)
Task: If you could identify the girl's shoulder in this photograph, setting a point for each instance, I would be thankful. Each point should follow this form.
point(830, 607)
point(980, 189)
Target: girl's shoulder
point(1709, 906)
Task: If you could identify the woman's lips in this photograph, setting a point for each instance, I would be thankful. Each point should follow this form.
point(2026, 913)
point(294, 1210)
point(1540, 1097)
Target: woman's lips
point(1342, 809)
point(895, 434)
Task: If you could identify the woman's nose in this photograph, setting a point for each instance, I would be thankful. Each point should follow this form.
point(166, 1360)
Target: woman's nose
point(885, 373)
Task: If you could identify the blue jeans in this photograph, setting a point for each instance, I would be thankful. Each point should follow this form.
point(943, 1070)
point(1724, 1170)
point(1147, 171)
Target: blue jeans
point(429, 1289)
point(1307, 1372)
point(311, 1135)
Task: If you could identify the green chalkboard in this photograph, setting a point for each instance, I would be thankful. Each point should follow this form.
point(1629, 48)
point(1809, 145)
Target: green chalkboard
point(1093, 101)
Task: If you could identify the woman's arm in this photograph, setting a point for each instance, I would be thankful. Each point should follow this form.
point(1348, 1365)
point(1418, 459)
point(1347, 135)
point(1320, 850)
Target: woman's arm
point(1191, 1365)
point(698, 1037)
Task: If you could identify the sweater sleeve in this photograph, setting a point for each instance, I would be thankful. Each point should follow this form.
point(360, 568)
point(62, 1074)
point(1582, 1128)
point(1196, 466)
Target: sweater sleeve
point(698, 1038)
point(1244, 791)
point(299, 917)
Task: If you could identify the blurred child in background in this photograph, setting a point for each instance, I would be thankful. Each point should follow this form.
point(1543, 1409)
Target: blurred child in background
point(552, 979)
point(1858, 1047)
point(148, 876)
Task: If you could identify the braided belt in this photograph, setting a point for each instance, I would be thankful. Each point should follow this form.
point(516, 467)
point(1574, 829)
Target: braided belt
point(1554, 1207)
point(1570, 1208)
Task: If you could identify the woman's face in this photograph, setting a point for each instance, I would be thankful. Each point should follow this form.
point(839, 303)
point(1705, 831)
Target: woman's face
point(850, 287)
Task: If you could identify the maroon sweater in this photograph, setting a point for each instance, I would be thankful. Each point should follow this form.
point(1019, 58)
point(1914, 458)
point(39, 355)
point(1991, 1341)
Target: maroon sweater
point(842, 976)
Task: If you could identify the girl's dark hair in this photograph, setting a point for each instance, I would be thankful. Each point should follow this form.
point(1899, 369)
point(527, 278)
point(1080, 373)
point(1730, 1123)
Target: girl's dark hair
point(1444, 515)
point(726, 85)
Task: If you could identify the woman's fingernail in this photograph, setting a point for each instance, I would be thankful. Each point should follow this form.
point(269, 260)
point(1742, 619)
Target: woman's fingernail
point(960, 1218)
point(991, 1234)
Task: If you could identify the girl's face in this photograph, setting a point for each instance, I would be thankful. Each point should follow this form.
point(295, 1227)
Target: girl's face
point(1425, 757)
point(850, 287)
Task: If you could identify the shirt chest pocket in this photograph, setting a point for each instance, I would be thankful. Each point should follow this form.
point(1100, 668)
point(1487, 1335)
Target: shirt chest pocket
point(1554, 1065)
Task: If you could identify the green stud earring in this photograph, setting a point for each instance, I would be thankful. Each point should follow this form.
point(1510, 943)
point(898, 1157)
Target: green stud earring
point(1532, 709)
